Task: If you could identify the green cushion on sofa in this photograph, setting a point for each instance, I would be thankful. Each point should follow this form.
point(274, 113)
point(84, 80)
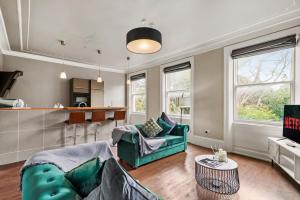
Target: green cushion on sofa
point(167, 128)
point(173, 139)
point(86, 176)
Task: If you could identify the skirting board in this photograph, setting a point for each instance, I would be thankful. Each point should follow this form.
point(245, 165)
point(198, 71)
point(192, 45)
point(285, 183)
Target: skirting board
point(208, 142)
point(251, 153)
point(204, 141)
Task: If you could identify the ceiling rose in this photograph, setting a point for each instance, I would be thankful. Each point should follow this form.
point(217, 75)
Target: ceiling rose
point(144, 40)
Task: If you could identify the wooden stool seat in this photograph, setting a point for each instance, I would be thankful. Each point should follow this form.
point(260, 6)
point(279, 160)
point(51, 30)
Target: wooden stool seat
point(97, 117)
point(118, 115)
point(75, 118)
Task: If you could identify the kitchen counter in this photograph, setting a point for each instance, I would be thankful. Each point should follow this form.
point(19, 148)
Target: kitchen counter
point(25, 131)
point(108, 108)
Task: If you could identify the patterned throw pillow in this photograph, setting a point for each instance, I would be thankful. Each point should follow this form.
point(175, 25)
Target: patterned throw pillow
point(151, 128)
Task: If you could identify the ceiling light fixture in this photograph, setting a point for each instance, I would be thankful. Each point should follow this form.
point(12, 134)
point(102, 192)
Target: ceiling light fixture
point(63, 75)
point(144, 40)
point(128, 79)
point(99, 79)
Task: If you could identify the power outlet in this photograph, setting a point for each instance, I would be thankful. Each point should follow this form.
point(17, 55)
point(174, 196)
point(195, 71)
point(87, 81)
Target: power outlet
point(207, 132)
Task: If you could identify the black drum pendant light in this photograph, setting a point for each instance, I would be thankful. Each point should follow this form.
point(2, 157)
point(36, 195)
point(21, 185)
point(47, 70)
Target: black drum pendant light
point(144, 40)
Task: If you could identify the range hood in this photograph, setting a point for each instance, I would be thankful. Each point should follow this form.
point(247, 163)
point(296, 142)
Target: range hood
point(7, 80)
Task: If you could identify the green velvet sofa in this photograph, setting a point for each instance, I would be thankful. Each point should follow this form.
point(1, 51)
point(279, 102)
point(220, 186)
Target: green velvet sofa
point(128, 146)
point(45, 182)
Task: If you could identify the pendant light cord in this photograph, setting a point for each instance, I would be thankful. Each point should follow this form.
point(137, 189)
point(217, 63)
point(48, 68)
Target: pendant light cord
point(99, 52)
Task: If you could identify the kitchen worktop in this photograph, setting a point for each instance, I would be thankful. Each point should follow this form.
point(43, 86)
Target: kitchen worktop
point(108, 108)
point(25, 131)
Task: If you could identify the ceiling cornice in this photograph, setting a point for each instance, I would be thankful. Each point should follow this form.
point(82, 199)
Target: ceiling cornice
point(4, 42)
point(20, 23)
point(267, 26)
point(60, 61)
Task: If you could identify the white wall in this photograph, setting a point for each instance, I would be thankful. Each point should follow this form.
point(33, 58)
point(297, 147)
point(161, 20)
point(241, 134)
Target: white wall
point(209, 94)
point(40, 85)
point(1, 61)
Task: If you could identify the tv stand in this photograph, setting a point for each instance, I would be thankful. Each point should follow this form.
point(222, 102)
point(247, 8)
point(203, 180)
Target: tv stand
point(291, 144)
point(285, 154)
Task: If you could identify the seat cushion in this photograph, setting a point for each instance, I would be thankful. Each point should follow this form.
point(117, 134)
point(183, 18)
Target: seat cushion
point(46, 181)
point(173, 139)
point(86, 177)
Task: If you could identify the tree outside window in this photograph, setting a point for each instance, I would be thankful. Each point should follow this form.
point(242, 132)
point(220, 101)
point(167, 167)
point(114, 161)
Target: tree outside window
point(138, 95)
point(263, 85)
point(178, 96)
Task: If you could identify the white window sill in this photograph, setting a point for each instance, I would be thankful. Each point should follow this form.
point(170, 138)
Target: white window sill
point(178, 117)
point(261, 124)
point(140, 114)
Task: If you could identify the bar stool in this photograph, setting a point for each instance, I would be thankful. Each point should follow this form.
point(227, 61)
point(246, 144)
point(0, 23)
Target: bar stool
point(75, 119)
point(97, 117)
point(118, 115)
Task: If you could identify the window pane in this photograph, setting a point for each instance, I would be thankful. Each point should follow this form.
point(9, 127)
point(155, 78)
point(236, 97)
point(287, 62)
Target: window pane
point(139, 103)
point(265, 68)
point(138, 86)
point(176, 100)
point(180, 80)
point(262, 103)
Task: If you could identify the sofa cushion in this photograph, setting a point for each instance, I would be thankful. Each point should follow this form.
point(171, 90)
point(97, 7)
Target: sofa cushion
point(167, 119)
point(46, 181)
point(167, 128)
point(86, 177)
point(117, 184)
point(151, 128)
point(173, 139)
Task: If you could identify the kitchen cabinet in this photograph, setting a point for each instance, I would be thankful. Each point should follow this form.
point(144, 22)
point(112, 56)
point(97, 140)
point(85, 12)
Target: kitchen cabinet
point(97, 93)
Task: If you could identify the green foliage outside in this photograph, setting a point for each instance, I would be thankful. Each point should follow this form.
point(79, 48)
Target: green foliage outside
point(270, 107)
point(140, 105)
point(252, 112)
point(174, 109)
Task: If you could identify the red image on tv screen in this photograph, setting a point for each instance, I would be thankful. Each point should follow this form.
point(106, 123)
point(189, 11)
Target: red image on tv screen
point(291, 122)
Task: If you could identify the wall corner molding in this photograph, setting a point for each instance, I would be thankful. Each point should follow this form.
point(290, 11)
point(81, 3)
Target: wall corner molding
point(59, 61)
point(4, 42)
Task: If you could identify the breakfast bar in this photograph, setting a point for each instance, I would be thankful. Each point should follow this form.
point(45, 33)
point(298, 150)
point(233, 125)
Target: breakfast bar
point(25, 131)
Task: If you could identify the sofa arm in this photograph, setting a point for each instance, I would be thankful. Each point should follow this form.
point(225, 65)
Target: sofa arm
point(130, 137)
point(180, 130)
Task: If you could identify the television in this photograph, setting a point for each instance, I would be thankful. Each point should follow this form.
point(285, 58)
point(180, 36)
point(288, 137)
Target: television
point(291, 122)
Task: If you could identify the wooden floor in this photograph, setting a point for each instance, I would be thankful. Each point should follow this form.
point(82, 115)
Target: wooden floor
point(173, 178)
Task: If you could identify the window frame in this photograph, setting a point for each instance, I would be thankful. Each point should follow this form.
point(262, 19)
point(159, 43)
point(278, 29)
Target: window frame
point(132, 94)
point(164, 89)
point(236, 86)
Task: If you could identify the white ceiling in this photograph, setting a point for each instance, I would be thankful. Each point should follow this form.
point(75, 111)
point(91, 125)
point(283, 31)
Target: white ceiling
point(87, 25)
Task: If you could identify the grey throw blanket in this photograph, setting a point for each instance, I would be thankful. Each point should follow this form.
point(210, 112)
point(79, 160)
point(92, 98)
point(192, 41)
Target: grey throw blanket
point(70, 157)
point(147, 145)
point(118, 184)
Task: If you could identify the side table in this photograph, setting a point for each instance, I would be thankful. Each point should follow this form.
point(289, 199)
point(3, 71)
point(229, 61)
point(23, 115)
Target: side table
point(223, 179)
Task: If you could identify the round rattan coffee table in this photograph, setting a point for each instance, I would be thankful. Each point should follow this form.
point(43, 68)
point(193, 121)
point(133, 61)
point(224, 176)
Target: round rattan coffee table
point(223, 179)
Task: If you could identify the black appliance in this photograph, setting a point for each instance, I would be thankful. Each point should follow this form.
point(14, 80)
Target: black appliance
point(7, 80)
point(291, 122)
point(81, 100)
